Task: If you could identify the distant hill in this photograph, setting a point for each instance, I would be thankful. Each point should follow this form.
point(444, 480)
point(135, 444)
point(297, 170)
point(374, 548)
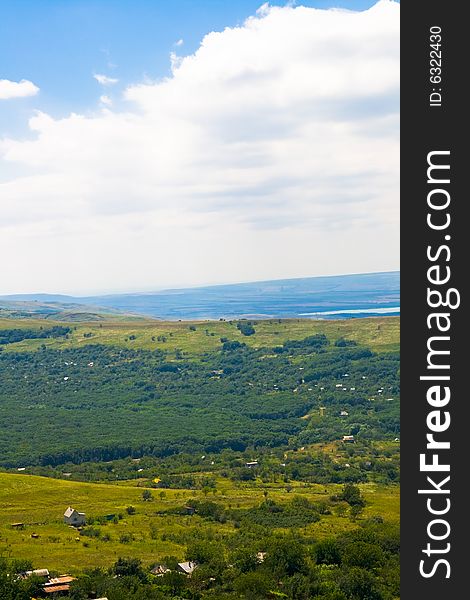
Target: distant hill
point(57, 311)
point(325, 297)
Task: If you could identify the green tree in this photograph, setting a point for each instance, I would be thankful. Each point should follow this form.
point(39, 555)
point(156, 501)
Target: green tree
point(254, 585)
point(147, 496)
point(285, 556)
point(352, 495)
point(327, 552)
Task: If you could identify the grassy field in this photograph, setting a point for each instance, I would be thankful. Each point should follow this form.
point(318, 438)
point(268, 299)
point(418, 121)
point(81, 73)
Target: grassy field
point(39, 503)
point(381, 334)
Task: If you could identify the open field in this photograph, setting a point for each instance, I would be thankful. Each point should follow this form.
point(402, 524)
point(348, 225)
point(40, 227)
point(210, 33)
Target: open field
point(380, 334)
point(39, 503)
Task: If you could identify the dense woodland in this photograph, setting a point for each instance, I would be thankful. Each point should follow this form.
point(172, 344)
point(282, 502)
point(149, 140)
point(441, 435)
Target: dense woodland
point(101, 403)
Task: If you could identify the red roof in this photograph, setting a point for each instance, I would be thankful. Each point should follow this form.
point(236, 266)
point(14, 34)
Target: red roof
point(57, 588)
point(60, 580)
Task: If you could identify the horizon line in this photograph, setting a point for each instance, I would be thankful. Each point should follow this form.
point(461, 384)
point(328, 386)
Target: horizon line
point(192, 287)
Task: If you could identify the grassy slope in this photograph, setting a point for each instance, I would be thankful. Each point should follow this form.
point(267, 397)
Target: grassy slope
point(381, 334)
point(40, 502)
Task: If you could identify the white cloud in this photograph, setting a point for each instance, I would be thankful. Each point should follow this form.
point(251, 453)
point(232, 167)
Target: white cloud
point(180, 42)
point(272, 151)
point(106, 100)
point(17, 89)
point(105, 80)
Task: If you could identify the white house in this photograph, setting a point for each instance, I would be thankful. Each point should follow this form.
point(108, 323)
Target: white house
point(187, 567)
point(73, 517)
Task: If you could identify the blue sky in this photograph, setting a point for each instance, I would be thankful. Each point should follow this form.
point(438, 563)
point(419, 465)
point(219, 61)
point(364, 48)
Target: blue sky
point(149, 144)
point(59, 44)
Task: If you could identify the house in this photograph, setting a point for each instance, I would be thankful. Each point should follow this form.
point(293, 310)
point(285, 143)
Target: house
point(189, 510)
point(35, 573)
point(57, 589)
point(61, 580)
point(344, 413)
point(253, 463)
point(73, 517)
point(160, 570)
point(17, 525)
point(260, 557)
point(322, 411)
point(57, 585)
point(348, 438)
point(186, 567)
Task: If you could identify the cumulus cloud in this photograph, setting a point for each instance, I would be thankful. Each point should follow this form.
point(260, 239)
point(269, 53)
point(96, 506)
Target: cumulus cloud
point(272, 151)
point(17, 89)
point(105, 80)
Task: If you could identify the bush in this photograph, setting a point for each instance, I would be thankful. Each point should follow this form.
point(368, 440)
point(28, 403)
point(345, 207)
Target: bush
point(246, 328)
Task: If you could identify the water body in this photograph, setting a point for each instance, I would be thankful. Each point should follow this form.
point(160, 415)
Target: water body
point(391, 310)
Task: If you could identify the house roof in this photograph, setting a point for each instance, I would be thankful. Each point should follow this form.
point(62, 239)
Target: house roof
point(187, 567)
point(69, 512)
point(63, 579)
point(57, 588)
point(160, 570)
point(38, 573)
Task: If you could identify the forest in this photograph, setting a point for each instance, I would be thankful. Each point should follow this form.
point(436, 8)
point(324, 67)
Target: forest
point(100, 402)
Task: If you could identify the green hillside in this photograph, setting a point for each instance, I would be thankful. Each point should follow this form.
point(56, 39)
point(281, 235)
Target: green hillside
point(214, 442)
point(75, 393)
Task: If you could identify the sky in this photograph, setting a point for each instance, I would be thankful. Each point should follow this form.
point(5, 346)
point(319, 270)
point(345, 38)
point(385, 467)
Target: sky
point(148, 144)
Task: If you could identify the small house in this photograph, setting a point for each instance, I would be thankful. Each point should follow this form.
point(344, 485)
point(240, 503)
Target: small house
point(344, 413)
point(348, 438)
point(160, 570)
point(251, 464)
point(58, 585)
point(189, 510)
point(36, 573)
point(73, 517)
point(61, 580)
point(186, 567)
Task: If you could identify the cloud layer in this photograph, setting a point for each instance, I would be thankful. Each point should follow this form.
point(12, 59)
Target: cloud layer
point(270, 152)
point(17, 89)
